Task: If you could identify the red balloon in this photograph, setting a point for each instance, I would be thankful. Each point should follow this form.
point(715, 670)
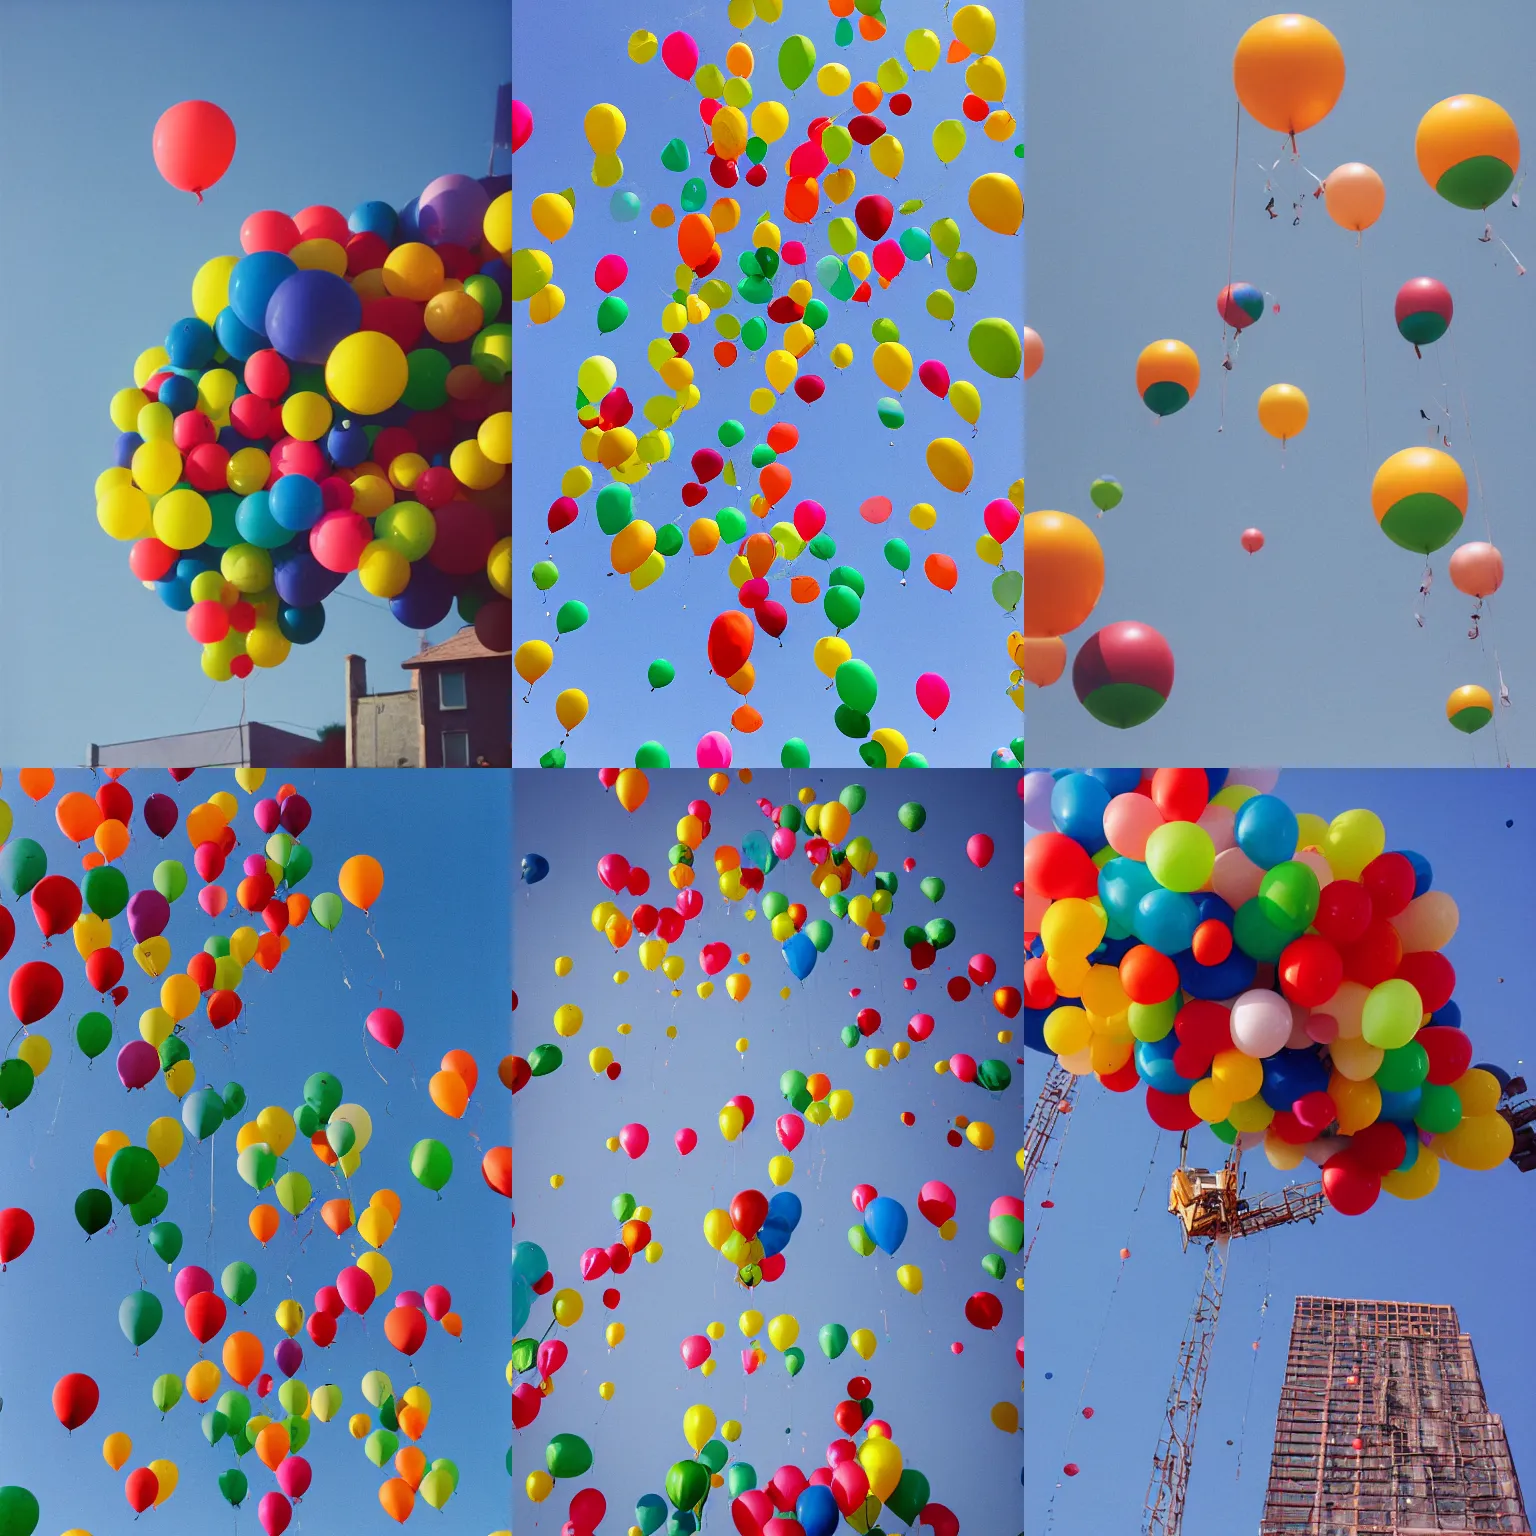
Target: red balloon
point(587, 1510)
point(749, 1210)
point(141, 1489)
point(406, 1329)
point(1344, 912)
point(730, 643)
point(1377, 955)
point(194, 143)
point(16, 1233)
point(1059, 868)
point(56, 903)
point(1432, 975)
point(850, 1485)
point(978, 849)
point(873, 216)
point(1171, 1111)
point(1379, 1147)
point(116, 802)
point(7, 931)
point(1390, 879)
point(1310, 970)
point(205, 1313)
point(36, 988)
point(984, 1310)
point(1349, 1185)
point(74, 1399)
point(1147, 975)
point(1180, 793)
point(1449, 1051)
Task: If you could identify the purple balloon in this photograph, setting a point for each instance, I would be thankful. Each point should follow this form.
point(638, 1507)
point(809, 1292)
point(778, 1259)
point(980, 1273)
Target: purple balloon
point(296, 814)
point(137, 1064)
point(267, 813)
point(427, 597)
point(190, 1280)
point(148, 913)
point(252, 282)
point(289, 1356)
point(160, 815)
point(309, 313)
point(300, 580)
point(452, 211)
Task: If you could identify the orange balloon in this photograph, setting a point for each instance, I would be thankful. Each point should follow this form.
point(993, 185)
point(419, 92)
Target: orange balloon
point(744, 681)
point(818, 1085)
point(389, 1200)
point(263, 1222)
point(695, 239)
point(725, 353)
point(91, 860)
point(1354, 196)
point(940, 570)
point(398, 1499)
point(361, 879)
point(205, 823)
point(449, 1093)
point(411, 1464)
point(1063, 572)
point(78, 816)
point(298, 909)
point(453, 1323)
point(801, 200)
point(35, 782)
point(804, 589)
point(272, 1446)
point(775, 481)
point(867, 95)
point(1045, 659)
point(761, 552)
point(336, 1214)
point(322, 1149)
point(746, 719)
point(782, 437)
point(242, 1357)
point(111, 839)
point(269, 950)
point(464, 1064)
point(496, 1166)
point(413, 1422)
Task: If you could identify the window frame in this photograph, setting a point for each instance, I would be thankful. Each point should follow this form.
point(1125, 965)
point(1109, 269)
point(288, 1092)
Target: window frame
point(456, 735)
point(442, 703)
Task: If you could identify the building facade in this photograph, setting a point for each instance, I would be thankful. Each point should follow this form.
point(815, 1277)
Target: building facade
point(235, 746)
point(1383, 1429)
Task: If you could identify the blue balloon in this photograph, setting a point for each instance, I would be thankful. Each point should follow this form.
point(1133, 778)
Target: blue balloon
point(529, 1261)
point(785, 1206)
point(191, 343)
point(535, 867)
point(1212, 983)
point(300, 580)
point(127, 444)
point(1215, 778)
point(373, 218)
point(1292, 1074)
point(817, 1510)
point(1450, 1015)
point(1078, 803)
point(1400, 1108)
point(1034, 1030)
point(522, 1301)
point(175, 593)
point(295, 502)
point(252, 282)
point(177, 394)
point(774, 1236)
point(1154, 1065)
point(237, 338)
point(427, 599)
point(885, 1220)
point(1266, 830)
point(1166, 920)
point(1118, 781)
point(800, 955)
point(302, 625)
point(1423, 874)
point(257, 525)
point(308, 313)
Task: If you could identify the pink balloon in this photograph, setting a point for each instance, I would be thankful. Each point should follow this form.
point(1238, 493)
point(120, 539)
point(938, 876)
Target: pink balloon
point(714, 751)
point(553, 1353)
point(213, 899)
point(978, 849)
point(809, 519)
point(934, 377)
point(791, 1130)
point(634, 1139)
point(191, 1279)
point(1477, 570)
point(936, 1202)
point(932, 695)
point(274, 1512)
point(438, 1302)
point(356, 1289)
point(782, 843)
point(522, 125)
point(920, 1026)
point(963, 1067)
point(752, 1512)
point(1253, 542)
point(611, 272)
point(686, 1140)
point(294, 1475)
point(1129, 820)
point(749, 1360)
point(1236, 878)
point(387, 1027)
point(680, 54)
point(876, 510)
point(1001, 517)
point(613, 871)
point(696, 1349)
point(715, 957)
point(785, 1486)
point(850, 1485)
point(888, 259)
point(1034, 352)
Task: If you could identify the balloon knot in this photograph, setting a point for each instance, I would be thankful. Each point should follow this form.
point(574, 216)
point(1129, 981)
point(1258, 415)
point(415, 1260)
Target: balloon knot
point(197, 192)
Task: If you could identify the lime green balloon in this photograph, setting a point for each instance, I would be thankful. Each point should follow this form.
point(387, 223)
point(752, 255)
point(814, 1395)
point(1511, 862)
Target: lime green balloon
point(1288, 895)
point(327, 909)
point(940, 305)
point(914, 817)
point(960, 271)
point(170, 878)
point(380, 1446)
point(432, 1163)
point(1105, 493)
point(836, 143)
point(863, 1245)
point(293, 1192)
point(842, 235)
point(1392, 1014)
point(945, 234)
point(165, 1392)
point(794, 1360)
point(797, 58)
point(1180, 856)
point(994, 347)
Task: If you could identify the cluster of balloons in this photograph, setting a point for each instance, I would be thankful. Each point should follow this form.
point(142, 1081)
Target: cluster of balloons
point(777, 282)
point(1275, 976)
point(337, 401)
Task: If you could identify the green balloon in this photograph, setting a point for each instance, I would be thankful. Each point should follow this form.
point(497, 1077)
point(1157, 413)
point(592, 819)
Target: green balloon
point(165, 1239)
point(847, 576)
point(132, 1173)
point(165, 1392)
point(753, 334)
point(715, 1455)
point(994, 346)
point(853, 796)
point(571, 616)
point(238, 1282)
point(797, 58)
point(105, 889)
point(795, 754)
point(823, 546)
point(833, 1337)
point(898, 554)
point(913, 817)
point(93, 1210)
point(836, 143)
point(773, 903)
point(544, 1059)
point(173, 1049)
point(170, 878)
point(202, 1112)
point(233, 1486)
point(841, 606)
point(236, 1408)
point(1402, 1068)
point(694, 193)
point(279, 846)
point(571, 1456)
point(790, 818)
point(623, 1207)
point(730, 433)
point(939, 932)
point(1288, 896)
point(872, 754)
point(93, 1033)
point(674, 155)
point(961, 271)
point(731, 523)
point(993, 1264)
point(233, 1099)
point(660, 673)
point(1256, 935)
point(294, 1396)
point(215, 1427)
point(19, 1513)
point(432, 1163)
point(307, 1120)
point(857, 686)
point(687, 1484)
point(1008, 589)
point(885, 329)
point(907, 1499)
point(1105, 493)
point(816, 314)
point(299, 864)
point(994, 1075)
point(819, 932)
point(940, 305)
point(140, 1316)
point(890, 413)
point(614, 508)
point(294, 1192)
point(22, 864)
point(16, 1079)
point(297, 1427)
point(146, 1210)
point(322, 1092)
point(742, 1478)
point(850, 1037)
point(792, 1084)
point(913, 760)
point(651, 754)
point(380, 1446)
point(554, 758)
point(256, 1164)
point(545, 574)
point(341, 1137)
point(669, 539)
point(611, 313)
point(945, 234)
point(1439, 1108)
point(851, 722)
point(326, 909)
point(858, 1239)
point(794, 1360)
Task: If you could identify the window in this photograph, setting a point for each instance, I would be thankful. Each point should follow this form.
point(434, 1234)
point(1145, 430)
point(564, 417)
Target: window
point(455, 749)
point(450, 690)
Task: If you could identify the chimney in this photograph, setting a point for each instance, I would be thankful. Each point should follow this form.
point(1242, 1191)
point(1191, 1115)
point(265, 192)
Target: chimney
point(357, 687)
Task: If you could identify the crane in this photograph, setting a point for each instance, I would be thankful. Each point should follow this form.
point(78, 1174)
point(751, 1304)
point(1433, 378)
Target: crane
point(1047, 1129)
point(1211, 1209)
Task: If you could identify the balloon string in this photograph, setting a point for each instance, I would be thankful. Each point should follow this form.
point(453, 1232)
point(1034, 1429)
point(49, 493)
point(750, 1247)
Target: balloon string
point(1365, 383)
point(1237, 136)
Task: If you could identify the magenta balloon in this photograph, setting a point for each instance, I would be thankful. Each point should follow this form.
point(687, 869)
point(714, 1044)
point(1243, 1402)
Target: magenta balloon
point(387, 1027)
point(137, 1064)
point(191, 1280)
point(522, 124)
point(437, 1302)
point(714, 750)
point(680, 54)
point(267, 813)
point(934, 377)
point(696, 1349)
point(810, 518)
point(160, 815)
point(686, 1140)
point(932, 695)
point(451, 211)
point(410, 1299)
point(148, 914)
point(274, 1512)
point(1001, 518)
point(791, 1130)
point(634, 1139)
point(295, 815)
point(611, 272)
point(294, 1476)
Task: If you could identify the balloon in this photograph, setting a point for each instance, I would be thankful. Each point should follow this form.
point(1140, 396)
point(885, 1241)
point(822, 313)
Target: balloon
point(997, 203)
point(1123, 674)
point(1252, 540)
point(1468, 150)
point(1469, 708)
point(1419, 496)
point(995, 348)
point(1477, 569)
point(1288, 71)
point(1240, 304)
point(1283, 411)
point(1423, 311)
point(1167, 376)
point(194, 143)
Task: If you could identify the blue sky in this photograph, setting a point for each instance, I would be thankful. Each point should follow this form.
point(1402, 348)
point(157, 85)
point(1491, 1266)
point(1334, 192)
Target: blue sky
point(1457, 1246)
point(1308, 651)
point(844, 457)
point(936, 1403)
point(111, 251)
point(433, 956)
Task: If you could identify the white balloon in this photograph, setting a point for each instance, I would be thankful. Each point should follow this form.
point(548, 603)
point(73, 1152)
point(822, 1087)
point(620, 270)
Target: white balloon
point(1261, 1023)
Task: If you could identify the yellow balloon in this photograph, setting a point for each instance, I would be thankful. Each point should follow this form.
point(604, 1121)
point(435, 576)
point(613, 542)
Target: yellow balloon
point(949, 140)
point(950, 464)
point(164, 1139)
point(552, 215)
point(539, 1485)
point(571, 708)
point(887, 155)
point(974, 26)
point(698, 1426)
point(366, 372)
point(881, 1460)
point(922, 49)
point(1283, 411)
point(893, 365)
point(864, 1343)
point(966, 400)
point(780, 369)
point(568, 1307)
point(781, 1170)
point(750, 1323)
point(604, 127)
point(910, 1279)
point(783, 1331)
point(116, 1449)
point(532, 659)
point(1006, 1417)
point(997, 203)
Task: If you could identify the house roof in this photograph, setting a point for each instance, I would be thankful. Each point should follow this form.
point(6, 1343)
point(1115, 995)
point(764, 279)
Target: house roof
point(464, 646)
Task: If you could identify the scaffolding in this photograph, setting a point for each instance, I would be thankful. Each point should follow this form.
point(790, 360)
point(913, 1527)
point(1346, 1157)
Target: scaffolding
point(1519, 1111)
point(1383, 1428)
point(1047, 1126)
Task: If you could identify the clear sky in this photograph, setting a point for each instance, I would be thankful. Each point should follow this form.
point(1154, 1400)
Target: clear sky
point(1459, 1245)
point(937, 1403)
point(434, 957)
point(1308, 651)
point(109, 251)
point(844, 456)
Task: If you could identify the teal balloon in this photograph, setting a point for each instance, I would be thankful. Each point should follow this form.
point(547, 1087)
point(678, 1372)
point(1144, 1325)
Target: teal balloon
point(795, 754)
point(898, 554)
point(857, 686)
point(715, 1455)
point(570, 616)
point(165, 1239)
point(833, 275)
point(674, 155)
point(694, 193)
point(611, 313)
point(140, 1316)
point(842, 33)
point(914, 243)
point(650, 1513)
point(1105, 493)
point(890, 412)
point(322, 1092)
point(22, 864)
point(624, 206)
point(742, 1478)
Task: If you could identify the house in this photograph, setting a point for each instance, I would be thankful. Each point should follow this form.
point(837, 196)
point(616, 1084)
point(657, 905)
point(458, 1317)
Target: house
point(456, 713)
point(235, 746)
